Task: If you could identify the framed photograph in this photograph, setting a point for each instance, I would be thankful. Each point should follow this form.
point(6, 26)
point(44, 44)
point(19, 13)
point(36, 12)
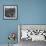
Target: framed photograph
point(10, 12)
point(33, 32)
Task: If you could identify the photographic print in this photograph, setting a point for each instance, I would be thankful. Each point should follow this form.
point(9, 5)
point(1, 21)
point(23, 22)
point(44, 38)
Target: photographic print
point(10, 12)
point(32, 32)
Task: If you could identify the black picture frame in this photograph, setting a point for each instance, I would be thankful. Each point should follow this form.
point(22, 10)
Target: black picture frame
point(10, 12)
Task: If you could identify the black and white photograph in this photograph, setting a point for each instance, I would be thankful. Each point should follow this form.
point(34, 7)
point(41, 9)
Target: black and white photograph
point(10, 12)
point(31, 34)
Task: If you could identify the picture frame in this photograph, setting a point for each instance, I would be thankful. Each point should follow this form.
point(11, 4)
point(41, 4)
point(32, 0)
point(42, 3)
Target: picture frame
point(37, 29)
point(10, 12)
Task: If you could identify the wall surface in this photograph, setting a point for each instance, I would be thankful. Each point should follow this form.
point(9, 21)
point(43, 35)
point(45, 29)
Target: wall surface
point(29, 12)
point(7, 26)
point(33, 12)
